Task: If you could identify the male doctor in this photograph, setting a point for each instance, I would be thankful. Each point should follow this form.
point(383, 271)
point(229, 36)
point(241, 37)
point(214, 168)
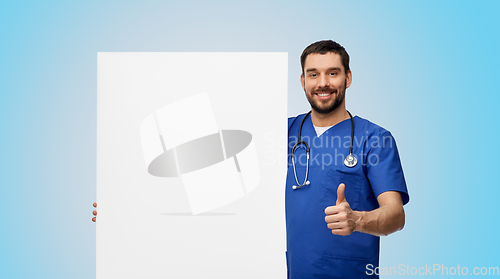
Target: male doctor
point(334, 221)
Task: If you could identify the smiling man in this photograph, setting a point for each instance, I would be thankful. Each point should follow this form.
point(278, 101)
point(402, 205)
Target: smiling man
point(345, 184)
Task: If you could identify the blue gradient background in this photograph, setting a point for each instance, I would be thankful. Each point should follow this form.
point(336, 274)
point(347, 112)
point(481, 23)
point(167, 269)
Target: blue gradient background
point(425, 70)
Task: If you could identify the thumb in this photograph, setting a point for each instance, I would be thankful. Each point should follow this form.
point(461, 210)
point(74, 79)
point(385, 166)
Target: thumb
point(340, 193)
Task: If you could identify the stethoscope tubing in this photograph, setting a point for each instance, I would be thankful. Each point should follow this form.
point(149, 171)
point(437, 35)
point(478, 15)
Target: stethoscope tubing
point(297, 145)
point(350, 161)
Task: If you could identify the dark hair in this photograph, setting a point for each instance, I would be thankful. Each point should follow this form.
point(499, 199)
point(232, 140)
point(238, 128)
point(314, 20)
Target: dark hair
point(323, 47)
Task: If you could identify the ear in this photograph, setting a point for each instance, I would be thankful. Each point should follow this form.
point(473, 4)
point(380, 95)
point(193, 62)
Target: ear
point(303, 82)
point(348, 79)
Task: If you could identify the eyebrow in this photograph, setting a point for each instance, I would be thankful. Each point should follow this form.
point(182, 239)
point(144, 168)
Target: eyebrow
point(329, 69)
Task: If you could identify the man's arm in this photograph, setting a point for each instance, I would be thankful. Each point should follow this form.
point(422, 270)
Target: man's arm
point(388, 218)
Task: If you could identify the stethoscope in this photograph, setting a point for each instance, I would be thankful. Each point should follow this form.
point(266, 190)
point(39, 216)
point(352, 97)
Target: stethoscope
point(349, 161)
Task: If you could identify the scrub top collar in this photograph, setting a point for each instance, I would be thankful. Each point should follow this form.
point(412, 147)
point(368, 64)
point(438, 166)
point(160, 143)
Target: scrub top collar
point(308, 128)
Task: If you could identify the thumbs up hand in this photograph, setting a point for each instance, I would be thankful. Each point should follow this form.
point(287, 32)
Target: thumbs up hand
point(340, 218)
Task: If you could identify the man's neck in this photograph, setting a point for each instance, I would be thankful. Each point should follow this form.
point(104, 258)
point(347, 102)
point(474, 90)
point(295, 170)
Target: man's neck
point(329, 119)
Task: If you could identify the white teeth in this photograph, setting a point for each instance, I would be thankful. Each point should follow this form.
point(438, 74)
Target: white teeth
point(323, 94)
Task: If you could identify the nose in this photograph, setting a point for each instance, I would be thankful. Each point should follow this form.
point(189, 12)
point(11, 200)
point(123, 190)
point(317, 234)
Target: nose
point(323, 81)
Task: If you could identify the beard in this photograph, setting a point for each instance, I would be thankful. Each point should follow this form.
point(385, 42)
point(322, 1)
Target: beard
point(325, 107)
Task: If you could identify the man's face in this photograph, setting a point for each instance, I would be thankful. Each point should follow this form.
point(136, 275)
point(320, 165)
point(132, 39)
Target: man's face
point(324, 81)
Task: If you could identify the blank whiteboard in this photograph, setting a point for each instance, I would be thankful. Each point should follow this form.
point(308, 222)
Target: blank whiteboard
point(191, 163)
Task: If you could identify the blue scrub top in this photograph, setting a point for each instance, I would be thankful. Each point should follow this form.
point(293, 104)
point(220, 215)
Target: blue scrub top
point(312, 250)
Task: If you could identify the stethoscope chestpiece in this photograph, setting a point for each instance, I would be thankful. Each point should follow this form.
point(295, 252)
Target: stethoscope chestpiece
point(350, 161)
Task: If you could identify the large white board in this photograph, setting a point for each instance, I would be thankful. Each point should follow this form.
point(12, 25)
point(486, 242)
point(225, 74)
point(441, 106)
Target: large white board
point(191, 163)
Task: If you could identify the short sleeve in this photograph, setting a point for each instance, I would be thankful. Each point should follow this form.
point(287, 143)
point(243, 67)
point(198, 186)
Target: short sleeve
point(383, 166)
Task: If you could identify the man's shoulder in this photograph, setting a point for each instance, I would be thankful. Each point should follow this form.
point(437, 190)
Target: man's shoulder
point(293, 119)
point(369, 127)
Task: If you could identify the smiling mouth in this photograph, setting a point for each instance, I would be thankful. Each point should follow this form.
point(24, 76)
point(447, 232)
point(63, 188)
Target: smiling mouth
point(324, 94)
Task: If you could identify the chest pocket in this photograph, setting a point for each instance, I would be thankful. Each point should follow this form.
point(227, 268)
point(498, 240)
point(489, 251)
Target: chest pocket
point(352, 188)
